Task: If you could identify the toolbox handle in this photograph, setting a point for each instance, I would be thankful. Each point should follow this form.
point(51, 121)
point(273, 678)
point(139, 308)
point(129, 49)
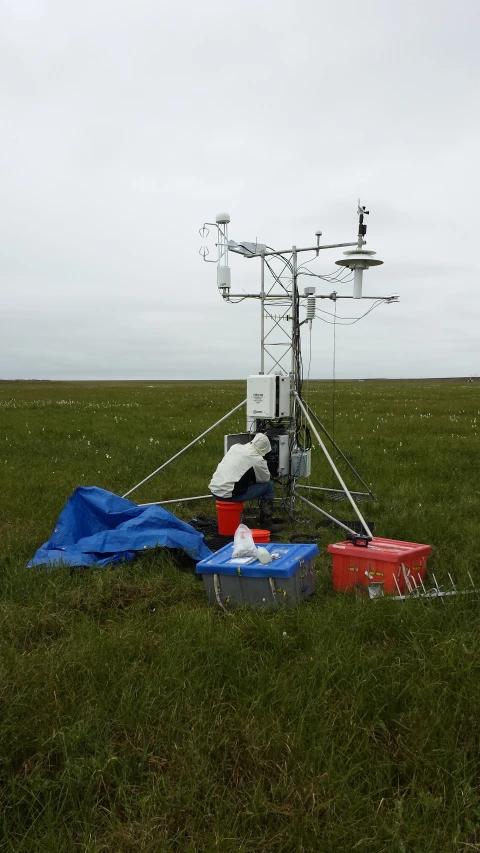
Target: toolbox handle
point(359, 540)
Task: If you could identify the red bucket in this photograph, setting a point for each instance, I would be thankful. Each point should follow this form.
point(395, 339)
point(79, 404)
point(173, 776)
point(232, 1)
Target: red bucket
point(229, 516)
point(260, 536)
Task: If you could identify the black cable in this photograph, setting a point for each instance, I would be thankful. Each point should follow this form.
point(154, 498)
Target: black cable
point(338, 316)
point(334, 374)
point(278, 277)
point(309, 361)
point(281, 257)
point(353, 319)
point(375, 305)
point(335, 274)
point(341, 275)
point(309, 261)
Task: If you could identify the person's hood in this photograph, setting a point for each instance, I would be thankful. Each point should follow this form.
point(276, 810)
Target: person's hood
point(261, 444)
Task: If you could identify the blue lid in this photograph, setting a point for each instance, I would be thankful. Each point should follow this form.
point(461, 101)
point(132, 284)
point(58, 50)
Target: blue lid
point(290, 559)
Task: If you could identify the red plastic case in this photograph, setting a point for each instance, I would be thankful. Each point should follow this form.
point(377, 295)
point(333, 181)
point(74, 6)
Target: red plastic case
point(382, 561)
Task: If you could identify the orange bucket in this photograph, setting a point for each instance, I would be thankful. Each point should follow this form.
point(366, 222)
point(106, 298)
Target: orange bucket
point(260, 536)
point(229, 516)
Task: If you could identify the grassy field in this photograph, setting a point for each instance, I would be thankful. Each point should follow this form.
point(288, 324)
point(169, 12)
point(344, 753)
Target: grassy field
point(134, 717)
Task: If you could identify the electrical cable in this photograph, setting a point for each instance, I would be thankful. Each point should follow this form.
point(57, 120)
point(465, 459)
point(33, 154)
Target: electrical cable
point(342, 277)
point(301, 437)
point(309, 362)
point(338, 316)
point(375, 305)
point(282, 258)
point(334, 373)
point(335, 274)
point(329, 313)
point(276, 277)
point(308, 371)
point(352, 319)
point(309, 261)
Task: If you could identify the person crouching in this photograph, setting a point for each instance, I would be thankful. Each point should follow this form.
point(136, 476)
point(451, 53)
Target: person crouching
point(243, 475)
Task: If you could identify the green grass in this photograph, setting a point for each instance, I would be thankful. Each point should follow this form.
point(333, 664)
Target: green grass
point(134, 717)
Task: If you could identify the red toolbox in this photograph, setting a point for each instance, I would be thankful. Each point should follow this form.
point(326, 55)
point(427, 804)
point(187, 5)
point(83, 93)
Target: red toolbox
point(382, 561)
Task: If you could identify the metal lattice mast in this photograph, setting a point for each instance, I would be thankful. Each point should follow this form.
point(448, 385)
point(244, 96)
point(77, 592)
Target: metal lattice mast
point(280, 351)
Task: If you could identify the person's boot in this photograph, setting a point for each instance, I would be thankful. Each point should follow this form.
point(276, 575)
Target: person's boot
point(266, 519)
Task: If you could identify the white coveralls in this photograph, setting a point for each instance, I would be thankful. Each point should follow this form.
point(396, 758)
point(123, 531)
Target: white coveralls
point(242, 470)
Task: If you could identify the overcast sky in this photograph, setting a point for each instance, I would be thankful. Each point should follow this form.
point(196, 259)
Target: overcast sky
point(127, 123)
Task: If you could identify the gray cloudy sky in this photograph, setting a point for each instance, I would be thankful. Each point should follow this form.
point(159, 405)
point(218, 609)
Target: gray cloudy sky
point(127, 123)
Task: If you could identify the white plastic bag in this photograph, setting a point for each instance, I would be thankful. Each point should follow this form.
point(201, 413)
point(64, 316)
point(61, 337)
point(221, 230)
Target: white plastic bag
point(243, 544)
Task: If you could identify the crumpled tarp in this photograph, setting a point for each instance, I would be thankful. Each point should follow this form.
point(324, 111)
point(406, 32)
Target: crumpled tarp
point(96, 527)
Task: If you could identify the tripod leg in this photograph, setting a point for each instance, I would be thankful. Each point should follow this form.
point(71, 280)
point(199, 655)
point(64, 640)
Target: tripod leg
point(333, 466)
point(337, 448)
point(323, 512)
point(195, 440)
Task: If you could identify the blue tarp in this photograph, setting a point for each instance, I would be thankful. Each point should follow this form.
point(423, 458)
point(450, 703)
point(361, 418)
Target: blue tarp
point(96, 527)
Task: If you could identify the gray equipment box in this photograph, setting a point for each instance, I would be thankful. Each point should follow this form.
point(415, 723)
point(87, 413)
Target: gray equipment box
point(301, 463)
point(287, 580)
point(236, 438)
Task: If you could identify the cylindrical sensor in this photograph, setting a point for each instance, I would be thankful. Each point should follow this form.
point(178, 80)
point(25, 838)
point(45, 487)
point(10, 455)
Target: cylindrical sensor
point(357, 283)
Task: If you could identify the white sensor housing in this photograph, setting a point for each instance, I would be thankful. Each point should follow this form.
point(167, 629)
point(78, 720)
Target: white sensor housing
point(268, 396)
point(223, 278)
point(358, 260)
